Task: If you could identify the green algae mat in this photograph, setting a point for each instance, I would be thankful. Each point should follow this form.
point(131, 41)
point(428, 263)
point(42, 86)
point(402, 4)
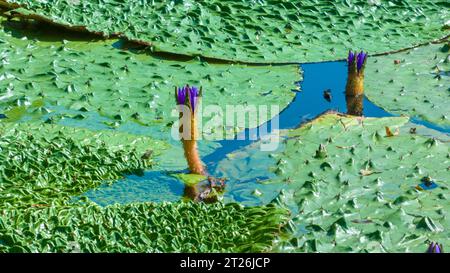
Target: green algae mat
point(143, 227)
point(253, 31)
point(354, 188)
point(42, 167)
point(415, 82)
point(48, 164)
point(123, 86)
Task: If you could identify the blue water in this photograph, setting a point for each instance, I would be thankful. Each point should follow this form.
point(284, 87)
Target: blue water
point(310, 102)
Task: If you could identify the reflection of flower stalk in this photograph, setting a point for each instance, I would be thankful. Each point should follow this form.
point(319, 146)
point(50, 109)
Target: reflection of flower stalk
point(354, 90)
point(190, 97)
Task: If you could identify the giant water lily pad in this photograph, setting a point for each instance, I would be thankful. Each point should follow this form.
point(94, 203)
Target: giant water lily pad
point(415, 82)
point(120, 85)
point(354, 187)
point(254, 31)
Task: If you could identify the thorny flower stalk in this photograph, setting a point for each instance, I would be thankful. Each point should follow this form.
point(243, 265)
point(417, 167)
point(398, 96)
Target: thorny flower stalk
point(190, 97)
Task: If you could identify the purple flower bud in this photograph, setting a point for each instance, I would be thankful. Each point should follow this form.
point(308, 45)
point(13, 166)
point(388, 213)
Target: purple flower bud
point(434, 248)
point(188, 94)
point(193, 97)
point(181, 95)
point(351, 57)
point(360, 60)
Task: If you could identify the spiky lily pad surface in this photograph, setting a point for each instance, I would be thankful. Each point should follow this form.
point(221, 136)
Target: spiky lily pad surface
point(95, 77)
point(256, 31)
point(415, 82)
point(357, 192)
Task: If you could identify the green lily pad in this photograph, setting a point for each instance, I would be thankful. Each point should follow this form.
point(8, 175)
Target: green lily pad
point(256, 31)
point(142, 93)
point(414, 83)
point(190, 179)
point(366, 200)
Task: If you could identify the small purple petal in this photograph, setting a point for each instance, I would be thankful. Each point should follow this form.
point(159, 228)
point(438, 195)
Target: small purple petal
point(434, 248)
point(193, 93)
point(181, 95)
point(360, 59)
point(437, 248)
point(431, 247)
point(188, 92)
point(351, 57)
